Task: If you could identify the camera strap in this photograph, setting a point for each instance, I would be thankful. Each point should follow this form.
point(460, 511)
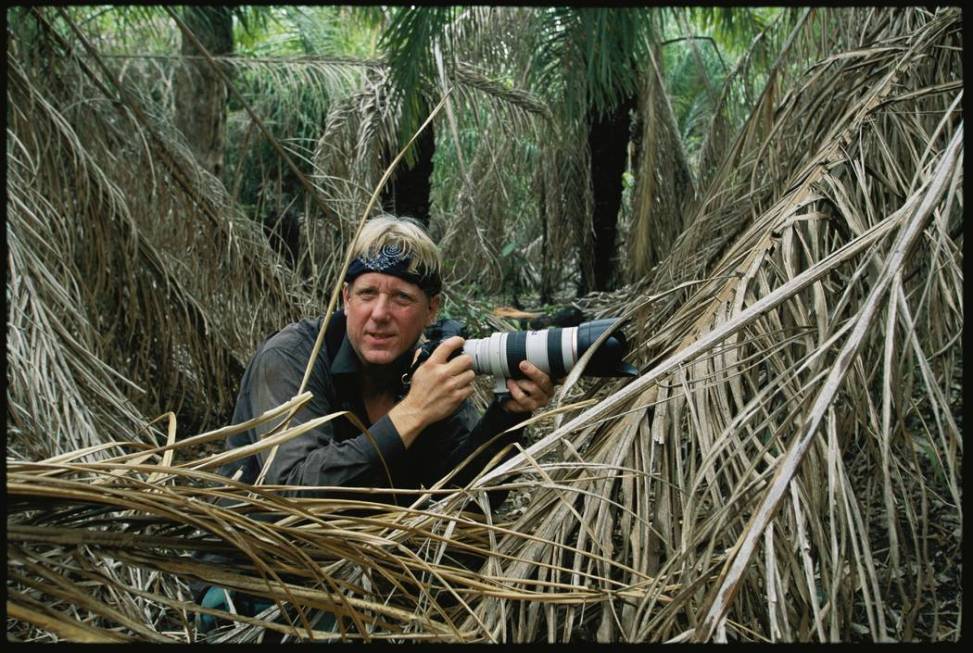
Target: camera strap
point(423, 356)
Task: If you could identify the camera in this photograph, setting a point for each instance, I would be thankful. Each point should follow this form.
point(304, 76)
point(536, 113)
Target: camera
point(555, 351)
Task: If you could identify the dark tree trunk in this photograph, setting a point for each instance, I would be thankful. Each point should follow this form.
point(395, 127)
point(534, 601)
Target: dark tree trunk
point(199, 92)
point(407, 192)
point(608, 138)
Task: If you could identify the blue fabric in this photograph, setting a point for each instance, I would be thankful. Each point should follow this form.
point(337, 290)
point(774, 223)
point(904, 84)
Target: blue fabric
point(391, 260)
point(216, 599)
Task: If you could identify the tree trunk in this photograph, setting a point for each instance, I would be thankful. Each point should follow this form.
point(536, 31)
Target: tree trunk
point(608, 138)
point(200, 95)
point(407, 193)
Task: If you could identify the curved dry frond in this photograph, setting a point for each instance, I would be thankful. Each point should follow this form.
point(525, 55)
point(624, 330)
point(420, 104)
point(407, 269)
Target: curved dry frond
point(54, 376)
point(666, 188)
point(471, 207)
point(490, 123)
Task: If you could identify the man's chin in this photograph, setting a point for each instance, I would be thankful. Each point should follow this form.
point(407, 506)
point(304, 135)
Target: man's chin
point(379, 358)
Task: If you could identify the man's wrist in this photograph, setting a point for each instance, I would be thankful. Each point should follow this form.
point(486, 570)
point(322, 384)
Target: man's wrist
point(407, 421)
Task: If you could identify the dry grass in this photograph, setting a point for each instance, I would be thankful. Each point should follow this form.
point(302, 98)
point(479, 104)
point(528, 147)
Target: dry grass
point(786, 467)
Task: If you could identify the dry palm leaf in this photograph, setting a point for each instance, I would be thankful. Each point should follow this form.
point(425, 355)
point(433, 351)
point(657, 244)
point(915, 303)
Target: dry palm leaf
point(787, 466)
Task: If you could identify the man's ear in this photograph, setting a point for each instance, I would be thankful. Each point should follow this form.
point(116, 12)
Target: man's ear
point(345, 293)
point(434, 303)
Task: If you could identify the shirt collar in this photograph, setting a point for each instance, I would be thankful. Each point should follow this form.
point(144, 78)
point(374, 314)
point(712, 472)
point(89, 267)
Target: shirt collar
point(346, 360)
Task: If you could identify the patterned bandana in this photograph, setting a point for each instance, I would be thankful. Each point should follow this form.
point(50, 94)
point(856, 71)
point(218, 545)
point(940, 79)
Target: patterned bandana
point(392, 260)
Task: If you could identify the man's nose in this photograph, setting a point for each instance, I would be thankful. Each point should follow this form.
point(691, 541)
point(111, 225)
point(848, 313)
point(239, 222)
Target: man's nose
point(380, 309)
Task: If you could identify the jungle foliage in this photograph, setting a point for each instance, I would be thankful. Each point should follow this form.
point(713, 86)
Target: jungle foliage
point(783, 233)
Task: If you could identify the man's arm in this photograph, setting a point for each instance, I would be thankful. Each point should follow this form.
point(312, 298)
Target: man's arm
point(452, 441)
point(439, 387)
point(315, 457)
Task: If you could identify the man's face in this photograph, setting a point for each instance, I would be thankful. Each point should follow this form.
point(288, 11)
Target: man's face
point(385, 315)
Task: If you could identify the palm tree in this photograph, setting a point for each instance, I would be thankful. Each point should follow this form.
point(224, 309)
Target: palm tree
point(409, 192)
point(122, 201)
point(588, 57)
point(592, 59)
point(407, 41)
point(690, 101)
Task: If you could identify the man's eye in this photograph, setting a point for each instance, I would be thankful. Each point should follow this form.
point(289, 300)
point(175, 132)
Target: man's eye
point(404, 299)
point(365, 293)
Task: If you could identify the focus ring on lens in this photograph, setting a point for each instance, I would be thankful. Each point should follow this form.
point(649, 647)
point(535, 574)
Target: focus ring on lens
point(554, 358)
point(516, 352)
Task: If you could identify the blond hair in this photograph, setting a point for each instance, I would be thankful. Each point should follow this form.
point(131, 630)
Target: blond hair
point(408, 235)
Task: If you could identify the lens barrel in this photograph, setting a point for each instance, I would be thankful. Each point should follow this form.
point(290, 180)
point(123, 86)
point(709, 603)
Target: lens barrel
point(555, 351)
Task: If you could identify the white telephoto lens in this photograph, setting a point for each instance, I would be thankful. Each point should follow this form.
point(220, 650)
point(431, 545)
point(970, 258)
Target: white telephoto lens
point(490, 354)
point(479, 350)
point(504, 367)
point(472, 349)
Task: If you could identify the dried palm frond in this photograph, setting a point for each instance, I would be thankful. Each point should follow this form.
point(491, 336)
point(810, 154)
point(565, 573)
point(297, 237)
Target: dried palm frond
point(145, 244)
point(46, 383)
point(469, 219)
point(666, 188)
point(328, 76)
point(291, 96)
point(786, 467)
point(777, 335)
point(566, 202)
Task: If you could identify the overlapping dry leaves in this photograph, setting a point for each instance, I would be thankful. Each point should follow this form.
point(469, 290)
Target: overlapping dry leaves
point(786, 467)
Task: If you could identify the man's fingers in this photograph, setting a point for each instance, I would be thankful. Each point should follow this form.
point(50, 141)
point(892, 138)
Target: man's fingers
point(461, 363)
point(538, 376)
point(516, 391)
point(530, 393)
point(466, 378)
point(442, 353)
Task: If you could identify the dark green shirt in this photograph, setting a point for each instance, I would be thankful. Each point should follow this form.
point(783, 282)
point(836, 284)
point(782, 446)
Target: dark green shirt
point(338, 454)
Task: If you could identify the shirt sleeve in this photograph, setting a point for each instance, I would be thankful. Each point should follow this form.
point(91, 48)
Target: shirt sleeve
point(316, 458)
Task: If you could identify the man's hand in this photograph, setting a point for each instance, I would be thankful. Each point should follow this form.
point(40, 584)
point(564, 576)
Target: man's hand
point(527, 395)
point(438, 388)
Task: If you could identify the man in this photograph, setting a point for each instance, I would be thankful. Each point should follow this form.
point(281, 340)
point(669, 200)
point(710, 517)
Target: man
point(391, 294)
point(416, 435)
